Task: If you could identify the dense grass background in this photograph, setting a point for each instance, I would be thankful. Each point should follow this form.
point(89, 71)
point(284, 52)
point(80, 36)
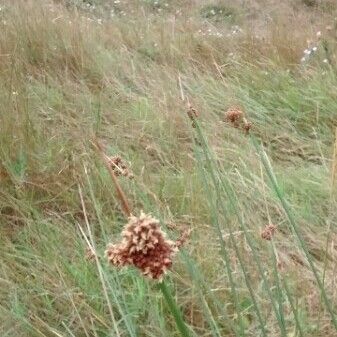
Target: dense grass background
point(126, 72)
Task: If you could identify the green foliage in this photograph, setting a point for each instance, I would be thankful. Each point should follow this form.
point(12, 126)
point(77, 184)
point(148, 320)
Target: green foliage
point(70, 72)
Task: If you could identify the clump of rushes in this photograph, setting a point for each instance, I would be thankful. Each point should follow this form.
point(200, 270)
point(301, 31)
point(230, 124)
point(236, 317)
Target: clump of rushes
point(236, 117)
point(119, 167)
point(268, 232)
point(144, 245)
point(192, 114)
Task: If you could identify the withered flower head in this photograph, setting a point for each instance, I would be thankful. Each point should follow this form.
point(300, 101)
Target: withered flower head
point(192, 114)
point(234, 115)
point(268, 232)
point(119, 167)
point(144, 245)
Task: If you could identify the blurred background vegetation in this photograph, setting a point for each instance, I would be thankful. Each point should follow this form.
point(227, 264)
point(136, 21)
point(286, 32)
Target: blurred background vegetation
point(126, 72)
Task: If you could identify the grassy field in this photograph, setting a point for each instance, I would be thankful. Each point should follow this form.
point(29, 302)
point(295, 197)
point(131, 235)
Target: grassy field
point(129, 74)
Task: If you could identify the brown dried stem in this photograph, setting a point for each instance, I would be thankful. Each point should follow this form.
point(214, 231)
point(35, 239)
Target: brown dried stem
point(120, 194)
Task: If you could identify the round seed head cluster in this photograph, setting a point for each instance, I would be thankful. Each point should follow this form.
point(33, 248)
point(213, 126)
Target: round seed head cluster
point(234, 115)
point(119, 167)
point(268, 232)
point(144, 246)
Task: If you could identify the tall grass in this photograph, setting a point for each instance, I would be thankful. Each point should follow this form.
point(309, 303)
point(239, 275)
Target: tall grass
point(125, 72)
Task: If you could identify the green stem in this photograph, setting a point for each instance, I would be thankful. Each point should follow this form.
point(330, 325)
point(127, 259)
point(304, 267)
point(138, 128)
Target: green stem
point(295, 229)
point(174, 310)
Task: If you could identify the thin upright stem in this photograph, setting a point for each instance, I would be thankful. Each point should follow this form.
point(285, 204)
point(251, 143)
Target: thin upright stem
point(174, 310)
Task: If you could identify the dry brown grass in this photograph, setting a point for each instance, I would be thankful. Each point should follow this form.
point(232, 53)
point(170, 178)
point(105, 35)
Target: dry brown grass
point(66, 76)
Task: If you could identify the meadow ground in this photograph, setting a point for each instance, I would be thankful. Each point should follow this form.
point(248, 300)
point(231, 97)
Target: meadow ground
point(130, 73)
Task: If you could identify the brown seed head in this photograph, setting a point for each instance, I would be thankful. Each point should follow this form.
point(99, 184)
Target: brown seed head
point(119, 167)
point(90, 255)
point(234, 115)
point(192, 114)
point(247, 125)
point(183, 238)
point(268, 232)
point(144, 246)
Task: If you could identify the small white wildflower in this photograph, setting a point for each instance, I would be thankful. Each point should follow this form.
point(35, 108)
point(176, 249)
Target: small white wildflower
point(15, 93)
point(303, 59)
point(325, 61)
point(307, 52)
point(319, 34)
point(314, 49)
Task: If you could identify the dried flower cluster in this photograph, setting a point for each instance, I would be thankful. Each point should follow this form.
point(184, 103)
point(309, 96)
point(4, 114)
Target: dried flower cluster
point(192, 114)
point(144, 246)
point(236, 117)
point(119, 167)
point(268, 232)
